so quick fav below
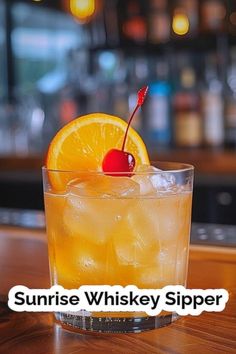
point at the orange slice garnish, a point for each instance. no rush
(82, 144)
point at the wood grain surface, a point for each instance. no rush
(23, 260)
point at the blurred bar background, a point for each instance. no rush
(60, 59)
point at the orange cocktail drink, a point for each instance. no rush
(113, 218)
(109, 230)
(118, 239)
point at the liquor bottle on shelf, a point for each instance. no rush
(120, 100)
(133, 21)
(187, 116)
(109, 71)
(212, 104)
(137, 77)
(213, 14)
(158, 21)
(68, 108)
(119, 87)
(158, 107)
(192, 9)
(230, 102)
(111, 22)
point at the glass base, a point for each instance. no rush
(113, 324)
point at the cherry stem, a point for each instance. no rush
(141, 98)
(127, 129)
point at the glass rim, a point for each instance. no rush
(183, 167)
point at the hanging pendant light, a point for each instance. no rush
(180, 23)
(82, 10)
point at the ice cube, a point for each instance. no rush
(106, 187)
(135, 240)
(91, 219)
(164, 218)
(156, 276)
(142, 177)
(160, 179)
(81, 263)
(145, 184)
(148, 277)
(174, 218)
(153, 180)
(133, 249)
(161, 271)
(94, 207)
(163, 181)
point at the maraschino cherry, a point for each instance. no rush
(120, 160)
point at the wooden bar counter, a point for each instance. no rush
(205, 160)
(23, 260)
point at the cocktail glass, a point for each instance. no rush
(119, 230)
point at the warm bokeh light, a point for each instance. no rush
(82, 9)
(180, 24)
